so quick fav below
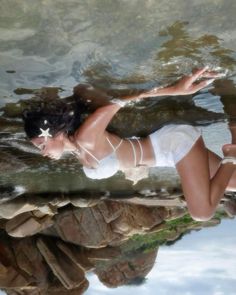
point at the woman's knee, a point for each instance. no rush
(202, 214)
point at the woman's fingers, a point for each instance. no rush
(197, 74)
(188, 84)
(202, 84)
(212, 74)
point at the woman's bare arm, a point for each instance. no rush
(95, 125)
(185, 86)
(93, 128)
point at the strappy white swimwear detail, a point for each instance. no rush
(141, 151)
(134, 152)
(107, 166)
(136, 163)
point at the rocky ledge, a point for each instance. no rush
(49, 244)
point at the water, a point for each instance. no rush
(120, 46)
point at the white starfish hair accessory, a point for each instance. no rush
(45, 133)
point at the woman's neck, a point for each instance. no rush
(69, 145)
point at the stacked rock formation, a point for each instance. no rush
(48, 245)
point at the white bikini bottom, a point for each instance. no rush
(172, 142)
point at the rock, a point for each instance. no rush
(80, 258)
(103, 254)
(27, 224)
(59, 290)
(11, 278)
(81, 203)
(30, 261)
(110, 222)
(137, 219)
(230, 207)
(24, 204)
(110, 210)
(76, 225)
(55, 289)
(69, 273)
(127, 271)
(21, 264)
(38, 266)
(154, 201)
(176, 212)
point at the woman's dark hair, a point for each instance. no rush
(58, 118)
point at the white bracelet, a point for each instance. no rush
(118, 101)
(231, 160)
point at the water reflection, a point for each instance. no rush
(181, 46)
(118, 241)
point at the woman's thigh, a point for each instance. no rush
(194, 173)
(214, 162)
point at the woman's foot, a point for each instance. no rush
(229, 150)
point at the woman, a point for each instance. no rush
(203, 175)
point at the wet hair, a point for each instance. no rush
(58, 118)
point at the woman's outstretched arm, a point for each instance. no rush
(95, 125)
(185, 86)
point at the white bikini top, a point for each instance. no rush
(109, 165)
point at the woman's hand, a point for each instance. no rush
(188, 85)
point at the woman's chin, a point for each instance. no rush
(53, 157)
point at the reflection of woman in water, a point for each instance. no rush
(204, 175)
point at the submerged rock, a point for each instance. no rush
(10, 163)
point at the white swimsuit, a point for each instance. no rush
(107, 166)
(170, 144)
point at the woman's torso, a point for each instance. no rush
(130, 152)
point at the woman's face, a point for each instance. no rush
(52, 147)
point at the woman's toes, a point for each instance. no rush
(229, 150)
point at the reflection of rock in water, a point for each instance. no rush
(78, 236)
